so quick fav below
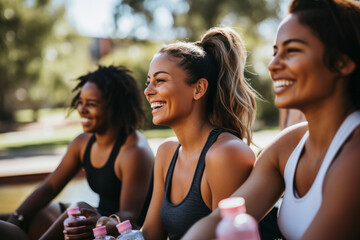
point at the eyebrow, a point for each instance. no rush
(157, 73)
(91, 100)
(292, 40)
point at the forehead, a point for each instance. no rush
(291, 28)
(92, 89)
(164, 62)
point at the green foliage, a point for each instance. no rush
(39, 54)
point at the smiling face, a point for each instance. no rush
(300, 75)
(92, 109)
(169, 95)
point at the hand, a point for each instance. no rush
(83, 229)
(110, 224)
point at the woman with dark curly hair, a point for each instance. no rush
(115, 156)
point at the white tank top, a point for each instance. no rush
(296, 213)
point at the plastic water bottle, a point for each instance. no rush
(127, 233)
(100, 234)
(236, 223)
(71, 218)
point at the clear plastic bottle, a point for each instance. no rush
(236, 223)
(71, 218)
(127, 233)
(100, 234)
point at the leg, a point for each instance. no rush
(11, 232)
(44, 219)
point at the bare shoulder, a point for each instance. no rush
(280, 149)
(230, 147)
(137, 148)
(78, 145)
(167, 149)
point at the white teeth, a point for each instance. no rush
(85, 120)
(157, 105)
(283, 83)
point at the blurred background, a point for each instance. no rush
(46, 44)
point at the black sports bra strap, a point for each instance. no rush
(209, 142)
(88, 149)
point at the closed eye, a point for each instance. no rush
(290, 50)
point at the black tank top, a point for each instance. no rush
(103, 180)
(178, 218)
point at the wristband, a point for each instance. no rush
(19, 217)
(116, 217)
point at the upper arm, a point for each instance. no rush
(69, 165)
(152, 228)
(265, 184)
(136, 167)
(338, 216)
(227, 168)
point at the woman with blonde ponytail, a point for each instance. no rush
(199, 90)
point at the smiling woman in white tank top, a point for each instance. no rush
(315, 165)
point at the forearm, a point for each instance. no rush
(204, 229)
(35, 202)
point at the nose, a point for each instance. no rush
(81, 108)
(275, 64)
(149, 90)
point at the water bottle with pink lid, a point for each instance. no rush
(71, 218)
(236, 223)
(100, 234)
(127, 233)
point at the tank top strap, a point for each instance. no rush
(86, 160)
(115, 150)
(171, 167)
(201, 164)
(346, 128)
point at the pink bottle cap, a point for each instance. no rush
(99, 231)
(73, 210)
(232, 206)
(123, 226)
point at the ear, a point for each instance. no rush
(346, 65)
(200, 88)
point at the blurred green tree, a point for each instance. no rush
(39, 54)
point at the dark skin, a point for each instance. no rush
(133, 166)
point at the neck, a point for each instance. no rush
(106, 138)
(192, 136)
(324, 121)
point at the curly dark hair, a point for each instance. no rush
(337, 25)
(121, 93)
